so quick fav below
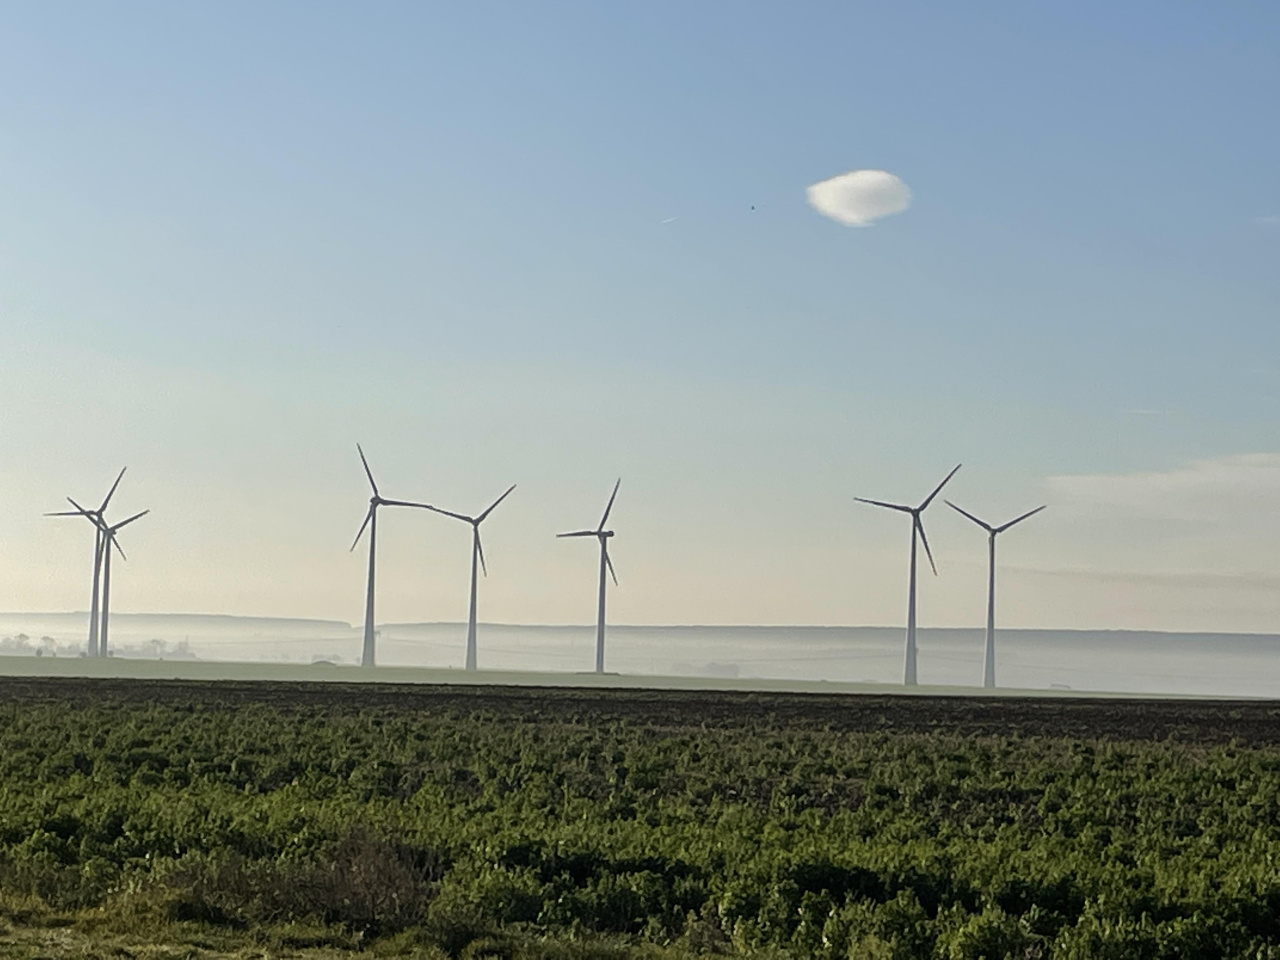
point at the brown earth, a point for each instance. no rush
(1253, 722)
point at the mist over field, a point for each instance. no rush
(1119, 661)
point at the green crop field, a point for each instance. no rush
(202, 819)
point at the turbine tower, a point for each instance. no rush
(917, 528)
(371, 521)
(603, 536)
(477, 553)
(989, 660)
(96, 518)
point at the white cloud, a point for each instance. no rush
(1187, 548)
(1243, 489)
(1272, 221)
(859, 197)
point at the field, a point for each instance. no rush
(180, 818)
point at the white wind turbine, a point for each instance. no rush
(917, 529)
(96, 518)
(371, 521)
(989, 659)
(107, 537)
(108, 541)
(477, 553)
(603, 536)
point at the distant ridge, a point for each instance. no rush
(761, 630)
(193, 618)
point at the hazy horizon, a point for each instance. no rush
(1104, 661)
(585, 624)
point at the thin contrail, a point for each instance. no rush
(668, 220)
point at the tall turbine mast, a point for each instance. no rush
(917, 529)
(603, 536)
(96, 518)
(477, 553)
(371, 521)
(989, 657)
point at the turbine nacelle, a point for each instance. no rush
(917, 525)
(474, 521)
(96, 516)
(376, 501)
(105, 530)
(110, 531)
(599, 531)
(988, 527)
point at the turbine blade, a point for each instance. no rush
(367, 517)
(609, 506)
(480, 550)
(925, 540)
(68, 513)
(110, 493)
(427, 506)
(113, 542)
(495, 503)
(1029, 513)
(578, 533)
(95, 519)
(368, 473)
(929, 498)
(984, 525)
(609, 563)
(881, 503)
(125, 523)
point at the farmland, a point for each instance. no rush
(314, 819)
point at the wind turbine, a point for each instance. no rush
(371, 521)
(108, 541)
(477, 552)
(917, 528)
(95, 517)
(989, 660)
(603, 536)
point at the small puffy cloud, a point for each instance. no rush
(859, 197)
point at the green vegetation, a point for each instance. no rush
(324, 823)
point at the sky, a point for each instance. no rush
(558, 244)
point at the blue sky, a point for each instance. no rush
(236, 239)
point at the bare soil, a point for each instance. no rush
(1251, 722)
